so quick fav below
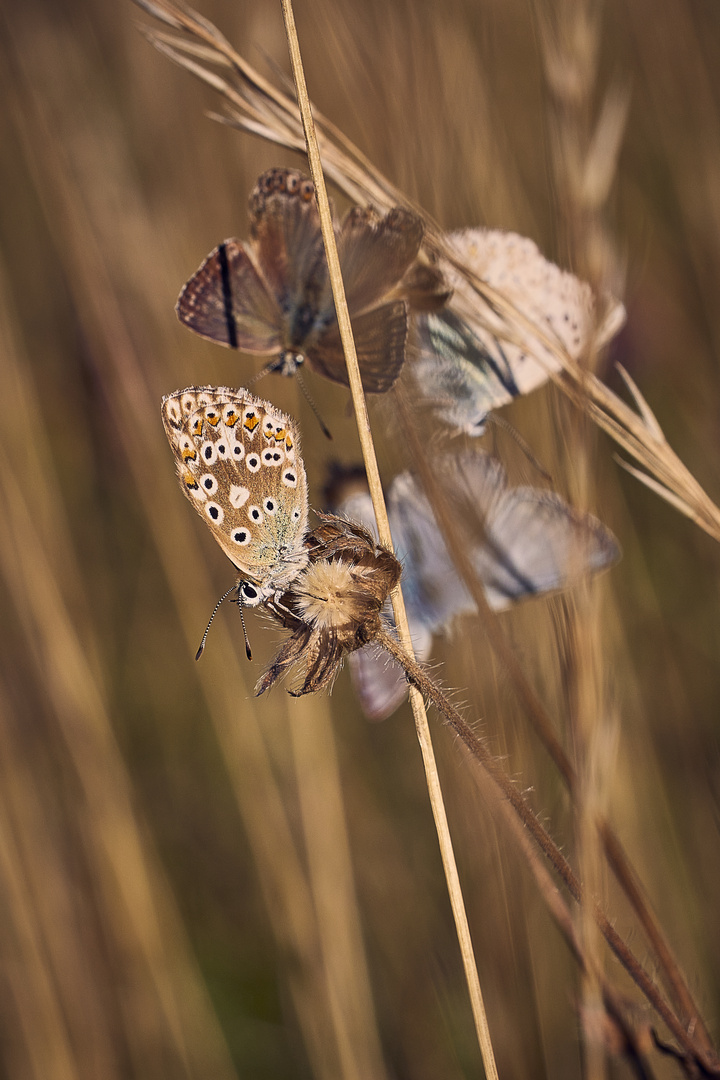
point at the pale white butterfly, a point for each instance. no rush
(464, 368)
(523, 541)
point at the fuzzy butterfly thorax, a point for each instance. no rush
(334, 607)
(271, 295)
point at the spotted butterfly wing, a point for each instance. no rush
(238, 462)
(466, 366)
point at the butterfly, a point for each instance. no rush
(238, 462)
(464, 369)
(522, 541)
(271, 295)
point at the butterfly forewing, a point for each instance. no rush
(285, 230)
(375, 253)
(227, 301)
(238, 462)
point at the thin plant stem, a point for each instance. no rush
(419, 678)
(543, 727)
(373, 473)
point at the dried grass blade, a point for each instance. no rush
(644, 409)
(366, 440)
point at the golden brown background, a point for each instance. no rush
(176, 893)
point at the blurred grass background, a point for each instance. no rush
(194, 883)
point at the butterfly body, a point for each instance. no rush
(237, 460)
(271, 295)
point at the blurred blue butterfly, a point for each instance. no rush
(523, 542)
(464, 365)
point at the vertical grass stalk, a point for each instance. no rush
(373, 474)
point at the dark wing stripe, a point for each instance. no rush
(227, 297)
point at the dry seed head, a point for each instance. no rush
(334, 606)
(331, 595)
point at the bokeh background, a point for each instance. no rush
(195, 883)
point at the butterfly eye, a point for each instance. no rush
(208, 452)
(249, 594)
(269, 506)
(241, 537)
(255, 513)
(290, 478)
(295, 515)
(253, 462)
(209, 483)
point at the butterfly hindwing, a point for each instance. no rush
(380, 336)
(238, 462)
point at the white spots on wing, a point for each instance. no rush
(236, 450)
(215, 512)
(173, 412)
(273, 456)
(239, 496)
(208, 452)
(187, 449)
(192, 486)
(236, 462)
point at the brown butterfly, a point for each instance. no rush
(271, 295)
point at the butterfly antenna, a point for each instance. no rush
(199, 653)
(248, 651)
(265, 371)
(504, 425)
(313, 406)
